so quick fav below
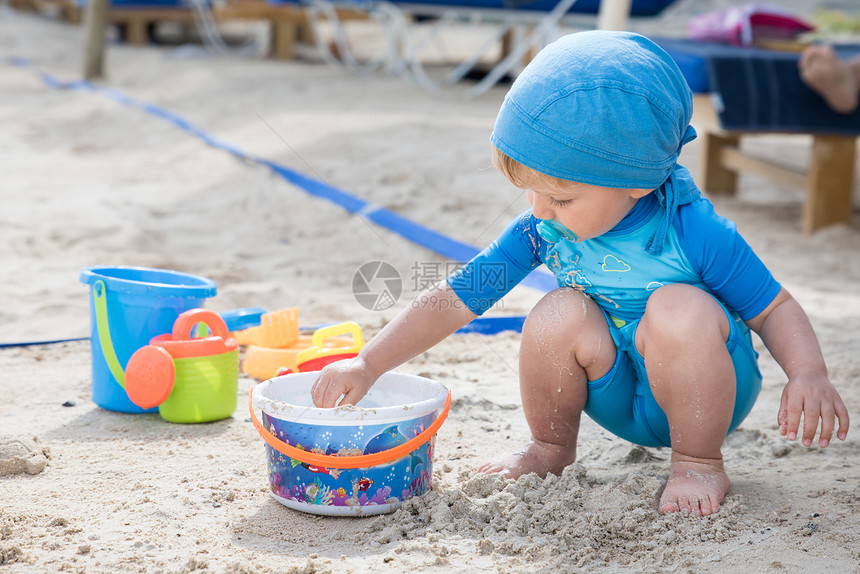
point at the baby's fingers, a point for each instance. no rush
(811, 414)
(318, 390)
(828, 423)
(829, 414)
(790, 411)
(352, 396)
(844, 419)
(322, 392)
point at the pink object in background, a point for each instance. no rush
(742, 25)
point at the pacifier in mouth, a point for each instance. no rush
(553, 231)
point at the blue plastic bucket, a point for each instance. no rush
(128, 307)
(399, 407)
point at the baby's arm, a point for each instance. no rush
(788, 335)
(433, 315)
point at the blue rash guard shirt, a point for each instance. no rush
(615, 270)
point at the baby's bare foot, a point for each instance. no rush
(696, 485)
(536, 456)
(830, 77)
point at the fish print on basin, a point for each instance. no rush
(388, 439)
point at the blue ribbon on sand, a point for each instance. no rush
(417, 233)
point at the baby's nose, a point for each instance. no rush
(541, 208)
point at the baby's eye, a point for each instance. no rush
(560, 202)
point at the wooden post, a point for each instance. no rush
(517, 34)
(135, 30)
(613, 14)
(830, 188)
(716, 178)
(284, 34)
(95, 20)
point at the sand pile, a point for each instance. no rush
(21, 454)
(569, 520)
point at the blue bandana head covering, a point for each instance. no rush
(605, 108)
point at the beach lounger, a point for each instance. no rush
(749, 91)
(521, 27)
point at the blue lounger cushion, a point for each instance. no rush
(757, 89)
(637, 7)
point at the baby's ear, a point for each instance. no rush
(639, 193)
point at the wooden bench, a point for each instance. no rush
(38, 6)
(829, 180)
(289, 22)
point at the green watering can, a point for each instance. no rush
(190, 380)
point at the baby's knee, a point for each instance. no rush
(559, 312)
(568, 324)
(679, 312)
(566, 321)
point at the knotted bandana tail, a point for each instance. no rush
(678, 189)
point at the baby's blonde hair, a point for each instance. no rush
(518, 174)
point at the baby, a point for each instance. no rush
(649, 330)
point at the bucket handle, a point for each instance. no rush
(344, 462)
(318, 349)
(103, 329)
(182, 328)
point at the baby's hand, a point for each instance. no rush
(350, 379)
(814, 398)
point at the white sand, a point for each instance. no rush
(87, 181)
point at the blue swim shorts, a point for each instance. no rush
(621, 401)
